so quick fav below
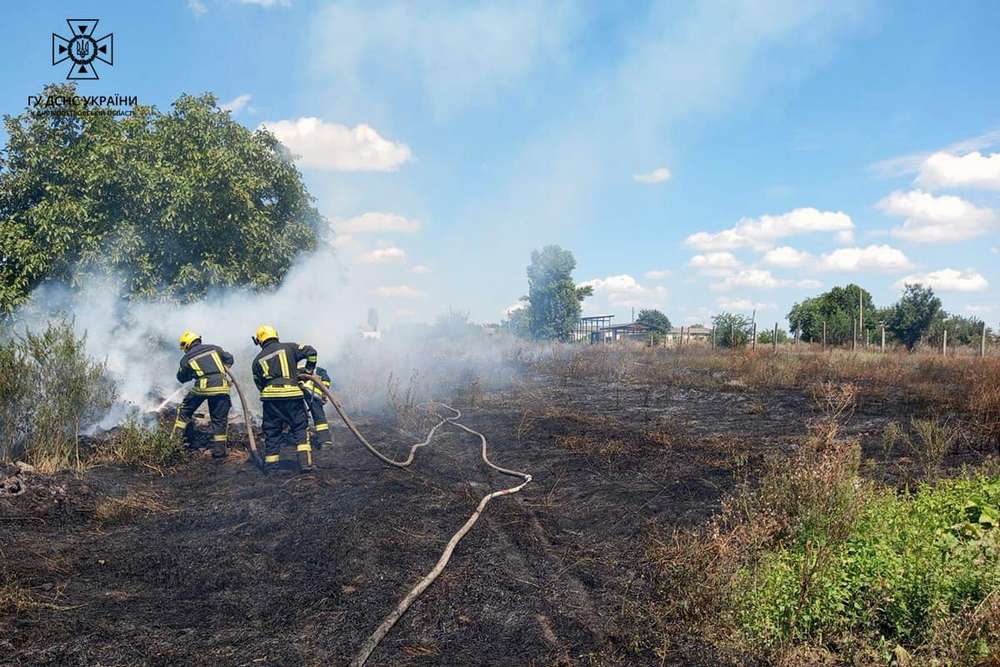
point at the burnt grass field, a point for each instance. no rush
(211, 563)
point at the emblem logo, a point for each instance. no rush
(82, 49)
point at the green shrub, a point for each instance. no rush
(50, 391)
(909, 564)
(133, 443)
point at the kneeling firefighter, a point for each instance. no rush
(276, 376)
(206, 365)
(315, 400)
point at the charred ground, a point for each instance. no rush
(212, 563)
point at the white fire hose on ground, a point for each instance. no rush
(370, 644)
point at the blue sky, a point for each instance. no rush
(694, 156)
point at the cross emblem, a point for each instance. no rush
(82, 49)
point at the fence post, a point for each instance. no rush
(824, 335)
(982, 342)
(882, 346)
(754, 344)
(774, 340)
(944, 344)
(854, 340)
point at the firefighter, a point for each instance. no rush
(275, 373)
(315, 400)
(206, 365)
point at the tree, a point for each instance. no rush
(838, 310)
(553, 297)
(174, 203)
(766, 337)
(961, 330)
(655, 320)
(913, 315)
(731, 330)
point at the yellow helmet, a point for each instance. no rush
(265, 332)
(188, 338)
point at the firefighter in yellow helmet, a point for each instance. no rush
(276, 375)
(206, 365)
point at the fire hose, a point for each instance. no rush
(370, 644)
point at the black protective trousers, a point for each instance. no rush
(278, 414)
(218, 410)
(315, 404)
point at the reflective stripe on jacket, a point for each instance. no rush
(206, 365)
(274, 368)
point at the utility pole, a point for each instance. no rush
(861, 314)
(754, 336)
(774, 340)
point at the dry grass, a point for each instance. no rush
(111, 511)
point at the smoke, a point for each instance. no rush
(315, 304)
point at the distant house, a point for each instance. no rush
(629, 331)
(692, 334)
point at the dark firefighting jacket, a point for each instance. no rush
(310, 387)
(274, 368)
(205, 364)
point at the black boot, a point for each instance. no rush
(303, 455)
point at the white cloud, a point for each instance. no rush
(421, 269)
(322, 145)
(624, 290)
(761, 233)
(658, 274)
(973, 170)
(376, 221)
(761, 279)
(743, 305)
(658, 175)
(197, 7)
(873, 257)
(715, 263)
(399, 292)
(911, 164)
(980, 309)
(236, 104)
(787, 257)
(845, 236)
(383, 255)
(948, 280)
(936, 219)
(267, 3)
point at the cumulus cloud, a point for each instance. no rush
(936, 219)
(383, 255)
(761, 233)
(948, 280)
(658, 274)
(197, 7)
(375, 221)
(625, 291)
(972, 170)
(743, 305)
(236, 104)
(658, 175)
(321, 145)
(761, 279)
(715, 263)
(787, 257)
(873, 257)
(399, 292)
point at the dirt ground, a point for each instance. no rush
(214, 564)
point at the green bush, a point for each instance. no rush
(132, 443)
(50, 391)
(909, 564)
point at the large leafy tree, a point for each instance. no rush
(553, 297)
(961, 330)
(654, 319)
(174, 203)
(913, 314)
(838, 310)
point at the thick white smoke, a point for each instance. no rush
(315, 304)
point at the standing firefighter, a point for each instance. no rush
(315, 400)
(276, 376)
(206, 365)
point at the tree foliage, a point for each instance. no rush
(913, 315)
(961, 330)
(654, 319)
(766, 337)
(732, 330)
(553, 298)
(838, 309)
(174, 203)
